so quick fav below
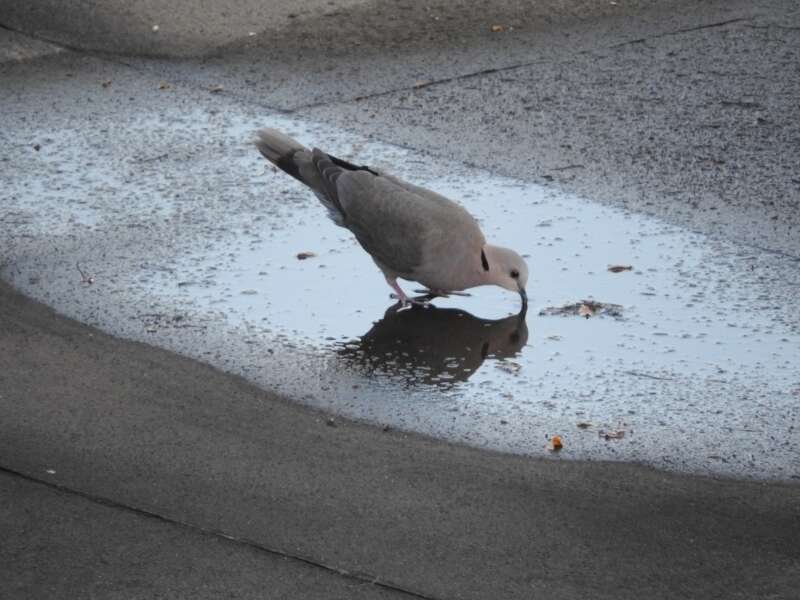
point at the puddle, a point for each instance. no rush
(698, 365)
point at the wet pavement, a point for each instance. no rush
(131, 199)
(191, 242)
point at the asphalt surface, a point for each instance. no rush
(115, 424)
(175, 467)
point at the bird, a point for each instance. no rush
(410, 232)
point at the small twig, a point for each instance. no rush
(85, 277)
(152, 158)
(648, 376)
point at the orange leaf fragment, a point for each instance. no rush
(555, 444)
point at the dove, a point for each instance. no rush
(410, 232)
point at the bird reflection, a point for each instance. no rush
(435, 346)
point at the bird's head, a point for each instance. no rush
(506, 268)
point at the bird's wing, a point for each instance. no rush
(393, 224)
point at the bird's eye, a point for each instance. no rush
(514, 273)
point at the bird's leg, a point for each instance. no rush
(405, 301)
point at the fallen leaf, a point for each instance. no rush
(421, 84)
(586, 308)
(612, 435)
(555, 444)
(216, 89)
(497, 28)
(620, 268)
(163, 85)
(304, 255)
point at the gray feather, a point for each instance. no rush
(293, 158)
(384, 219)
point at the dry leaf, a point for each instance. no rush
(620, 268)
(555, 444)
(497, 28)
(612, 435)
(304, 255)
(163, 85)
(215, 89)
(421, 84)
(586, 308)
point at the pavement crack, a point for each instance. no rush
(418, 85)
(41, 38)
(492, 70)
(358, 576)
(679, 31)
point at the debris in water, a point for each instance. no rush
(216, 89)
(583, 425)
(612, 435)
(331, 422)
(620, 268)
(509, 367)
(586, 308)
(305, 255)
(497, 29)
(555, 444)
(85, 277)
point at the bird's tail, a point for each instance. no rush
(281, 150)
(292, 157)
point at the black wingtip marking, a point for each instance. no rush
(286, 164)
(349, 166)
(484, 262)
